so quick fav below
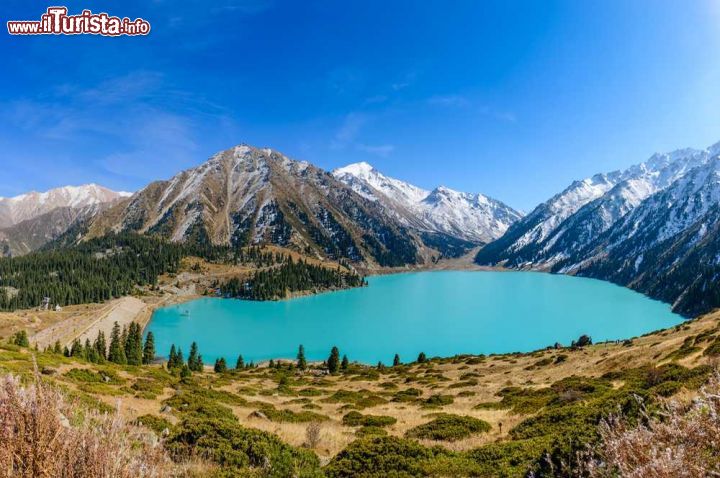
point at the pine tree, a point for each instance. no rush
(185, 371)
(345, 363)
(101, 346)
(149, 349)
(240, 364)
(21, 339)
(220, 365)
(133, 345)
(57, 349)
(124, 339)
(301, 361)
(396, 360)
(422, 358)
(380, 366)
(333, 362)
(117, 348)
(271, 364)
(193, 357)
(77, 349)
(66, 351)
(200, 364)
(179, 359)
(172, 358)
(91, 354)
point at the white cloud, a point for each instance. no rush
(380, 150)
(348, 133)
(448, 100)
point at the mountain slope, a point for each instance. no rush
(32, 234)
(471, 217)
(31, 205)
(245, 196)
(572, 219)
(655, 229)
(667, 247)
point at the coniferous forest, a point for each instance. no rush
(275, 283)
(114, 265)
(94, 271)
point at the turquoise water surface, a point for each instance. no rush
(439, 313)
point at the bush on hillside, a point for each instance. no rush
(357, 419)
(447, 427)
(44, 434)
(684, 443)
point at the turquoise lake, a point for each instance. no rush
(439, 313)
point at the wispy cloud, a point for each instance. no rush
(462, 101)
(448, 101)
(133, 117)
(348, 133)
(505, 116)
(408, 80)
(380, 150)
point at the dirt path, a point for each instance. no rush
(124, 311)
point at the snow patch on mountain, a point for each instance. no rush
(33, 204)
(472, 217)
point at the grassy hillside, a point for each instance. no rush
(502, 415)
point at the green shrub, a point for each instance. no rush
(407, 395)
(447, 427)
(90, 376)
(154, 423)
(364, 432)
(357, 419)
(437, 401)
(380, 457)
(227, 443)
(713, 350)
(288, 416)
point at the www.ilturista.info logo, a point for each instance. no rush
(56, 21)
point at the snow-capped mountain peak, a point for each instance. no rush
(30, 205)
(473, 217)
(392, 188)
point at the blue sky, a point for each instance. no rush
(513, 99)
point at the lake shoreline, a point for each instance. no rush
(622, 314)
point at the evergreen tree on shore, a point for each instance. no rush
(149, 349)
(333, 362)
(220, 365)
(422, 358)
(133, 345)
(240, 364)
(396, 360)
(193, 358)
(117, 347)
(101, 346)
(175, 359)
(301, 361)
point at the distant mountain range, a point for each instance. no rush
(20, 208)
(472, 217)
(31, 220)
(653, 227)
(245, 196)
